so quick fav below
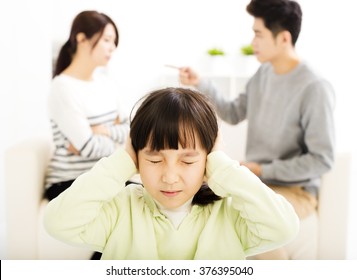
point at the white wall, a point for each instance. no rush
(157, 32)
(24, 77)
(328, 42)
(153, 33)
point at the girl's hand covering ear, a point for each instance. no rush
(130, 150)
(218, 144)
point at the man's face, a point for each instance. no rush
(266, 47)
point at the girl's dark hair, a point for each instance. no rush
(278, 15)
(90, 23)
(169, 116)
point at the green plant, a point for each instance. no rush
(247, 50)
(215, 51)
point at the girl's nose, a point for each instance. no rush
(170, 176)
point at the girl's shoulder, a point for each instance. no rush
(131, 192)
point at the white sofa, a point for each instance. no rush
(25, 165)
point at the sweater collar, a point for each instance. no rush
(154, 208)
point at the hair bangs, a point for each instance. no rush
(171, 117)
(172, 126)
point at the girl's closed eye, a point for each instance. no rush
(188, 162)
(154, 160)
(190, 158)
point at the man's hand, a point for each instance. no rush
(188, 76)
(254, 167)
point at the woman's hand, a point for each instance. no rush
(72, 149)
(117, 120)
(100, 129)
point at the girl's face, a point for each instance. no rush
(172, 177)
(102, 52)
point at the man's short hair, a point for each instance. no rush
(278, 15)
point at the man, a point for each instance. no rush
(289, 110)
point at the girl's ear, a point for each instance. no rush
(80, 37)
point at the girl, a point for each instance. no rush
(174, 214)
(85, 119)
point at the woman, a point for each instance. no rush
(85, 119)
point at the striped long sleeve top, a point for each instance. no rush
(74, 106)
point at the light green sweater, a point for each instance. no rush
(100, 213)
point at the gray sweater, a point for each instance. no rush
(290, 124)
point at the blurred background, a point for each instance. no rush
(154, 33)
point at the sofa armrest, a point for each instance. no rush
(334, 209)
(25, 165)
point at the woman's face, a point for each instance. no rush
(102, 52)
(172, 177)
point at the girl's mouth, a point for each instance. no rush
(170, 193)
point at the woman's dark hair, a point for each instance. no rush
(278, 15)
(90, 23)
(172, 116)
